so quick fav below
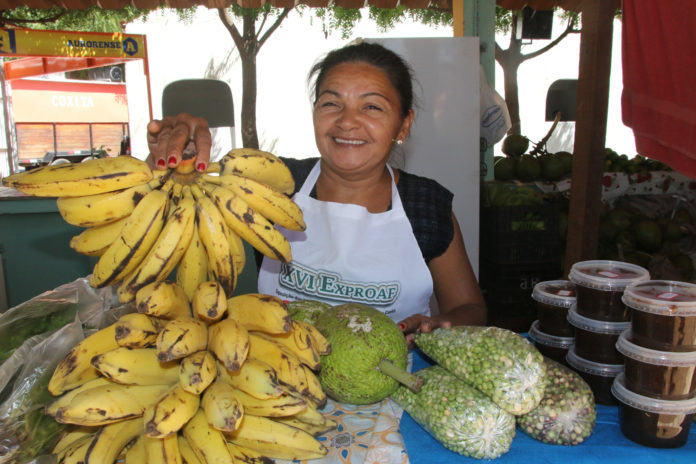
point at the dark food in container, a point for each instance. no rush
(553, 298)
(600, 285)
(596, 340)
(598, 376)
(550, 346)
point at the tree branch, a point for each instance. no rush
(263, 22)
(570, 28)
(231, 28)
(18, 22)
(274, 26)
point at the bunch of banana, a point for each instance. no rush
(216, 380)
(143, 225)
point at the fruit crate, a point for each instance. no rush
(520, 235)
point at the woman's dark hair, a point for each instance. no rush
(397, 70)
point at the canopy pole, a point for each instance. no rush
(458, 18)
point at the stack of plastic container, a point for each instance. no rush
(551, 332)
(657, 392)
(599, 317)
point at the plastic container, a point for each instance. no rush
(596, 340)
(598, 376)
(553, 298)
(600, 285)
(664, 375)
(653, 422)
(663, 314)
(550, 346)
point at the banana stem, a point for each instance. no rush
(411, 381)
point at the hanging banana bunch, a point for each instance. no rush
(143, 224)
(193, 382)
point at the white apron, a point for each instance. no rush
(348, 254)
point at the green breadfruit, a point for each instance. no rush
(307, 310)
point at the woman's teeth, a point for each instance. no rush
(350, 142)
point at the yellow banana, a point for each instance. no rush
(75, 452)
(246, 455)
(299, 342)
(136, 453)
(136, 238)
(165, 253)
(70, 436)
(181, 337)
(163, 299)
(102, 208)
(313, 391)
(214, 235)
(197, 371)
(318, 340)
(64, 400)
(95, 240)
(255, 378)
(110, 440)
(208, 443)
(75, 369)
(177, 193)
(258, 165)
(286, 404)
(263, 313)
(209, 302)
(78, 179)
(163, 450)
(169, 414)
(275, 206)
(192, 269)
(310, 415)
(249, 224)
(287, 366)
(312, 429)
(276, 439)
(222, 408)
(137, 330)
(136, 366)
(107, 404)
(237, 250)
(188, 456)
(229, 342)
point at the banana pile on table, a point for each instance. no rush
(219, 380)
(142, 224)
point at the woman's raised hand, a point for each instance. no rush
(169, 137)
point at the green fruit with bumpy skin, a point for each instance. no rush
(515, 145)
(360, 337)
(307, 310)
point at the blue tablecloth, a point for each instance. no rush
(606, 444)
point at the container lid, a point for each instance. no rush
(591, 367)
(594, 325)
(647, 404)
(559, 293)
(550, 340)
(659, 358)
(664, 297)
(607, 275)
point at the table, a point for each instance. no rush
(606, 444)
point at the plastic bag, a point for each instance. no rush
(566, 414)
(460, 417)
(498, 362)
(495, 117)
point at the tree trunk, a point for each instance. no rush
(250, 138)
(510, 60)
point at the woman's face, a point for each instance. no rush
(357, 116)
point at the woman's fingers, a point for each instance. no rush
(167, 139)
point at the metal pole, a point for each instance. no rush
(8, 123)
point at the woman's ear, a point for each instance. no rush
(406, 124)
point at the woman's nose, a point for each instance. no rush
(348, 119)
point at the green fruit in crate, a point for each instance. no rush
(682, 216)
(648, 235)
(671, 230)
(684, 265)
(567, 159)
(504, 169)
(552, 167)
(528, 168)
(620, 218)
(515, 145)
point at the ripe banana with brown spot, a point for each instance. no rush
(137, 330)
(314, 391)
(229, 342)
(164, 299)
(72, 433)
(246, 455)
(134, 241)
(299, 342)
(163, 450)
(168, 415)
(286, 365)
(259, 312)
(209, 302)
(75, 452)
(312, 429)
(193, 266)
(318, 340)
(250, 224)
(256, 164)
(197, 371)
(110, 440)
(136, 366)
(223, 410)
(188, 456)
(78, 179)
(277, 440)
(214, 235)
(255, 378)
(286, 404)
(181, 337)
(64, 400)
(94, 241)
(136, 453)
(208, 443)
(102, 208)
(238, 252)
(275, 206)
(75, 369)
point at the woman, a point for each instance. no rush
(374, 234)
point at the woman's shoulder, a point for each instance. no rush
(299, 168)
(418, 186)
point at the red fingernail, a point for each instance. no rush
(201, 167)
(171, 160)
(160, 163)
(402, 326)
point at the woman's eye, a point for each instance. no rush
(374, 107)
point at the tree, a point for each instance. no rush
(512, 57)
(93, 19)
